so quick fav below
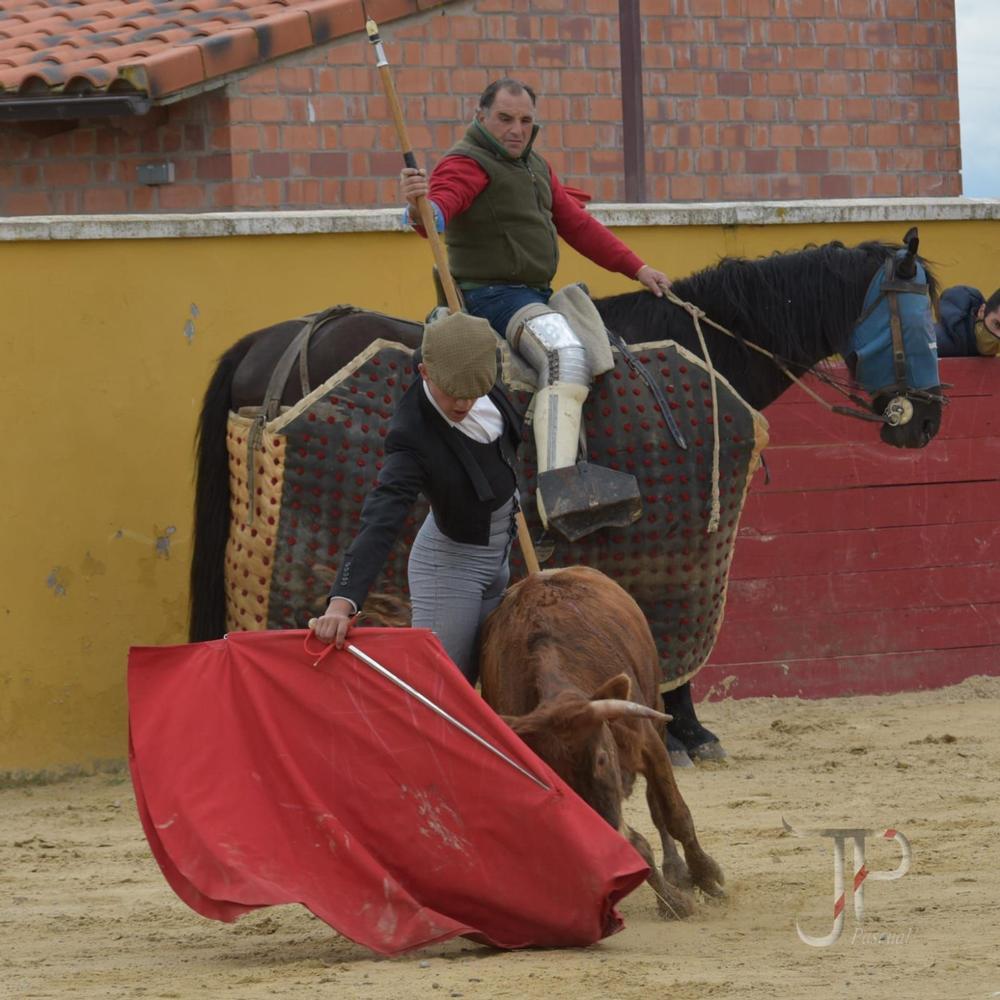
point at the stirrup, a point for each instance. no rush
(582, 498)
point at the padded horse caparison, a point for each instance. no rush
(298, 348)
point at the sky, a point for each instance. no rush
(978, 29)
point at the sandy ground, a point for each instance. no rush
(84, 911)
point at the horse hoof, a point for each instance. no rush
(710, 751)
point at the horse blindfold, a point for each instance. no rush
(909, 360)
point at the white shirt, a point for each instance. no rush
(483, 423)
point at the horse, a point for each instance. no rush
(761, 323)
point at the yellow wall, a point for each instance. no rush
(102, 388)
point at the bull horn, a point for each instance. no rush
(609, 709)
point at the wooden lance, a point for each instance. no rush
(429, 223)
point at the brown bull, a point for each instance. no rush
(561, 657)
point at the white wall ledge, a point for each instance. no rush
(757, 213)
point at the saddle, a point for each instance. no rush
(580, 497)
(575, 303)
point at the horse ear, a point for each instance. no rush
(906, 267)
(618, 688)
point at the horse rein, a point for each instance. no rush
(894, 412)
(697, 315)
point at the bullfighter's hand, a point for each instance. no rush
(335, 623)
(656, 281)
(413, 184)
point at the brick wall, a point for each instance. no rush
(744, 100)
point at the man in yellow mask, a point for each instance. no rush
(968, 324)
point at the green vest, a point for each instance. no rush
(506, 236)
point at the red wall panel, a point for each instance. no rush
(861, 569)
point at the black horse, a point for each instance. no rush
(803, 307)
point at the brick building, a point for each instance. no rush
(268, 105)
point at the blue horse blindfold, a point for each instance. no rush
(880, 366)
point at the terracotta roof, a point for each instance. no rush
(51, 48)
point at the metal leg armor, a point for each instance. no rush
(574, 497)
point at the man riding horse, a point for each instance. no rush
(501, 208)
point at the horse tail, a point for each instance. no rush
(211, 500)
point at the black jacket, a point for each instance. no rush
(424, 455)
(956, 331)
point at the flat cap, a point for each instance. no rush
(460, 352)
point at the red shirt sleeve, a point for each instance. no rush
(455, 183)
(588, 236)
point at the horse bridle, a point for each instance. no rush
(899, 276)
(899, 279)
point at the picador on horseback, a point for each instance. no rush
(318, 434)
(502, 208)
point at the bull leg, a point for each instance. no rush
(673, 818)
(671, 902)
(674, 869)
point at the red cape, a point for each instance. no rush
(262, 778)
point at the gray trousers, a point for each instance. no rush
(454, 586)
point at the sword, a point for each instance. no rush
(437, 709)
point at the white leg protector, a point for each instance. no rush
(550, 345)
(546, 340)
(558, 410)
(579, 497)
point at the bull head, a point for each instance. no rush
(570, 732)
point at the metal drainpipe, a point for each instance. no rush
(633, 123)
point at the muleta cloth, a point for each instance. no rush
(460, 352)
(262, 777)
(317, 460)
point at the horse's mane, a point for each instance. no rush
(800, 304)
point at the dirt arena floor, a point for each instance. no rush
(84, 911)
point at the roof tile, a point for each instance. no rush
(173, 35)
(331, 20)
(41, 27)
(163, 46)
(282, 33)
(169, 70)
(228, 51)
